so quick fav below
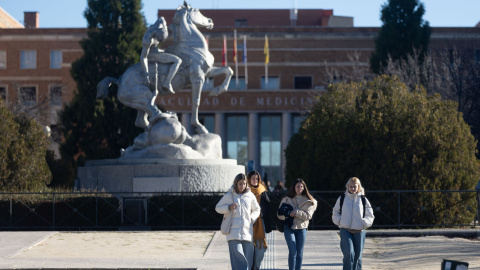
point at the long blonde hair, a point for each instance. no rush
(356, 181)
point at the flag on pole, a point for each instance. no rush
(235, 57)
(224, 51)
(266, 51)
(235, 46)
(245, 59)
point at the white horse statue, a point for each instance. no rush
(197, 63)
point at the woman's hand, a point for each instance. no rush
(292, 214)
(233, 206)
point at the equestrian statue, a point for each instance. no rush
(186, 62)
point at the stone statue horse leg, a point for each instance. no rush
(197, 79)
(135, 95)
(223, 87)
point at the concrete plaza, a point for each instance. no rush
(209, 250)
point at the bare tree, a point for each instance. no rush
(356, 71)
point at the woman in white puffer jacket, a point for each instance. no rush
(247, 210)
(353, 217)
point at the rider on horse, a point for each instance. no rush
(155, 34)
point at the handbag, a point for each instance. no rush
(227, 221)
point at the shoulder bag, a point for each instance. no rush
(227, 220)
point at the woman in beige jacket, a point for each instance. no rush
(296, 208)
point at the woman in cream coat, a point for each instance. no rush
(352, 223)
(247, 210)
(296, 208)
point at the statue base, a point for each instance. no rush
(158, 175)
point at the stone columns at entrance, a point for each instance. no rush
(253, 139)
(221, 131)
(286, 135)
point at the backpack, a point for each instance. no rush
(362, 197)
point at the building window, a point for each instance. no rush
(477, 56)
(56, 59)
(271, 147)
(273, 83)
(303, 82)
(241, 22)
(3, 59)
(28, 59)
(55, 95)
(28, 95)
(208, 84)
(3, 92)
(233, 84)
(208, 121)
(237, 138)
(297, 120)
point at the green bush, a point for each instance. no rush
(23, 146)
(390, 138)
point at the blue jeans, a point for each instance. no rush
(258, 257)
(295, 242)
(241, 254)
(351, 245)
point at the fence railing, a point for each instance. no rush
(196, 211)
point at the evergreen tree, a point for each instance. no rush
(23, 146)
(402, 32)
(97, 129)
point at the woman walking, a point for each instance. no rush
(352, 213)
(241, 200)
(263, 225)
(296, 208)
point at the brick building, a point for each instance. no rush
(308, 50)
(35, 68)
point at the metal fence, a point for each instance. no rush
(196, 211)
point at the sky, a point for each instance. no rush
(69, 13)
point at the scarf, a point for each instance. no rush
(259, 239)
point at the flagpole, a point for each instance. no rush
(207, 40)
(224, 52)
(235, 57)
(266, 73)
(245, 60)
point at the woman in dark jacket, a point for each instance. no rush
(263, 225)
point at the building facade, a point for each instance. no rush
(263, 108)
(35, 70)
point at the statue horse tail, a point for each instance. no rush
(103, 85)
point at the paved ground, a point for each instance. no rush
(208, 250)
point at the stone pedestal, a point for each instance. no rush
(158, 175)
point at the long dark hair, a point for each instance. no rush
(239, 177)
(249, 176)
(291, 191)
